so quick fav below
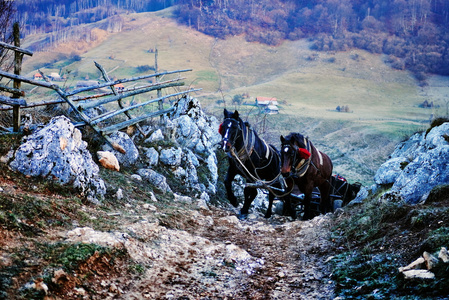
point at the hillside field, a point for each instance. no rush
(383, 102)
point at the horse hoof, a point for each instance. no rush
(234, 202)
(242, 216)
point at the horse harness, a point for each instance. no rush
(304, 163)
(244, 154)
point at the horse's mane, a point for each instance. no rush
(294, 136)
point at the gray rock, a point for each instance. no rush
(152, 157)
(389, 171)
(58, 152)
(171, 156)
(361, 195)
(425, 164)
(428, 170)
(156, 179)
(131, 156)
(155, 136)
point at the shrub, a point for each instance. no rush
(145, 68)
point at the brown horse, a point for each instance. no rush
(306, 167)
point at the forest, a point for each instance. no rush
(412, 33)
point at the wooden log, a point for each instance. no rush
(17, 69)
(109, 115)
(17, 49)
(114, 90)
(12, 101)
(136, 120)
(11, 90)
(89, 88)
(29, 80)
(83, 98)
(96, 103)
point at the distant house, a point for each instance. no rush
(267, 105)
(55, 76)
(38, 76)
(271, 109)
(119, 87)
(265, 101)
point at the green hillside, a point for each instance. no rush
(382, 102)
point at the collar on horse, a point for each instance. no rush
(248, 143)
(244, 154)
(303, 165)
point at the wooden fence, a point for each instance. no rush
(80, 103)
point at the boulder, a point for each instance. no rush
(125, 150)
(57, 152)
(151, 156)
(156, 179)
(427, 171)
(417, 165)
(192, 136)
(193, 128)
(171, 156)
(108, 160)
(390, 171)
(155, 137)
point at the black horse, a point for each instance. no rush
(307, 168)
(251, 157)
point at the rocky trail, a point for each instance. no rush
(182, 251)
(213, 255)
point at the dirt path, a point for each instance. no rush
(213, 255)
(173, 251)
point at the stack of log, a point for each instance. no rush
(421, 267)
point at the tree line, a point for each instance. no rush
(413, 33)
(39, 16)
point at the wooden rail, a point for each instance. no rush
(16, 101)
(86, 102)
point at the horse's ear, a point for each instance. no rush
(225, 112)
(282, 139)
(236, 115)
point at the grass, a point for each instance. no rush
(377, 238)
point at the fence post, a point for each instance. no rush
(17, 68)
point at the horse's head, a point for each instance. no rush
(293, 150)
(230, 129)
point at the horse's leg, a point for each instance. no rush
(250, 194)
(307, 190)
(228, 185)
(270, 205)
(325, 203)
(307, 209)
(290, 209)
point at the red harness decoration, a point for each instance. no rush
(220, 128)
(304, 153)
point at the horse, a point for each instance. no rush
(307, 168)
(251, 157)
(341, 187)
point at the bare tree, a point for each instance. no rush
(6, 18)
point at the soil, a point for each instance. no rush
(172, 252)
